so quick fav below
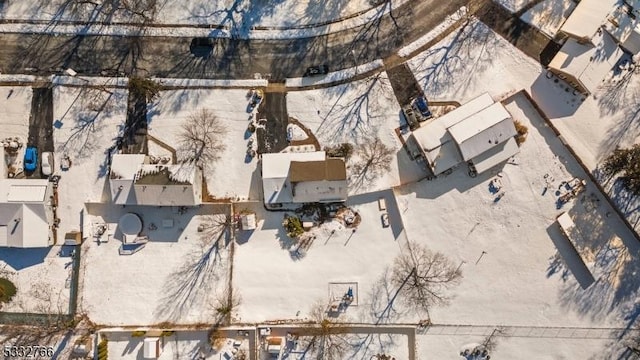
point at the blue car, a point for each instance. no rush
(31, 159)
(422, 106)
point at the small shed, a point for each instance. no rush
(248, 221)
(152, 347)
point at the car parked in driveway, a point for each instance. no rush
(317, 70)
(47, 163)
(30, 158)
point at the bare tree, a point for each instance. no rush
(422, 276)
(328, 341)
(201, 138)
(373, 158)
(225, 303)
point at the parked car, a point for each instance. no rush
(30, 158)
(47, 163)
(317, 70)
(420, 104)
(202, 46)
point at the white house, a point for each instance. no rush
(26, 213)
(586, 19)
(584, 65)
(134, 181)
(302, 178)
(480, 133)
(597, 31)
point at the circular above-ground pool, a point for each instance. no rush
(130, 224)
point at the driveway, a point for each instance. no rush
(41, 125)
(273, 136)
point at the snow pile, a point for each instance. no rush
(549, 15)
(90, 81)
(334, 77)
(435, 32)
(17, 78)
(233, 174)
(195, 83)
(514, 5)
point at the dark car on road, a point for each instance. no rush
(202, 46)
(30, 159)
(317, 70)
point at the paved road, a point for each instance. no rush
(41, 125)
(170, 57)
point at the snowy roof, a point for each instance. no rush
(625, 29)
(248, 221)
(443, 157)
(23, 190)
(497, 154)
(482, 131)
(151, 347)
(180, 174)
(275, 174)
(125, 166)
(565, 221)
(277, 165)
(329, 169)
(586, 62)
(434, 133)
(587, 17)
(23, 205)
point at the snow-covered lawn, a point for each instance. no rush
(516, 266)
(470, 61)
(40, 276)
(432, 347)
(14, 111)
(233, 175)
(549, 15)
(174, 278)
(264, 262)
(357, 113)
(245, 13)
(179, 345)
(86, 124)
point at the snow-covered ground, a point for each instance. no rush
(549, 15)
(432, 347)
(233, 175)
(41, 277)
(357, 113)
(450, 20)
(280, 19)
(334, 76)
(15, 110)
(86, 124)
(225, 12)
(179, 345)
(174, 278)
(472, 60)
(264, 261)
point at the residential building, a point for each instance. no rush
(480, 133)
(134, 181)
(26, 213)
(306, 177)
